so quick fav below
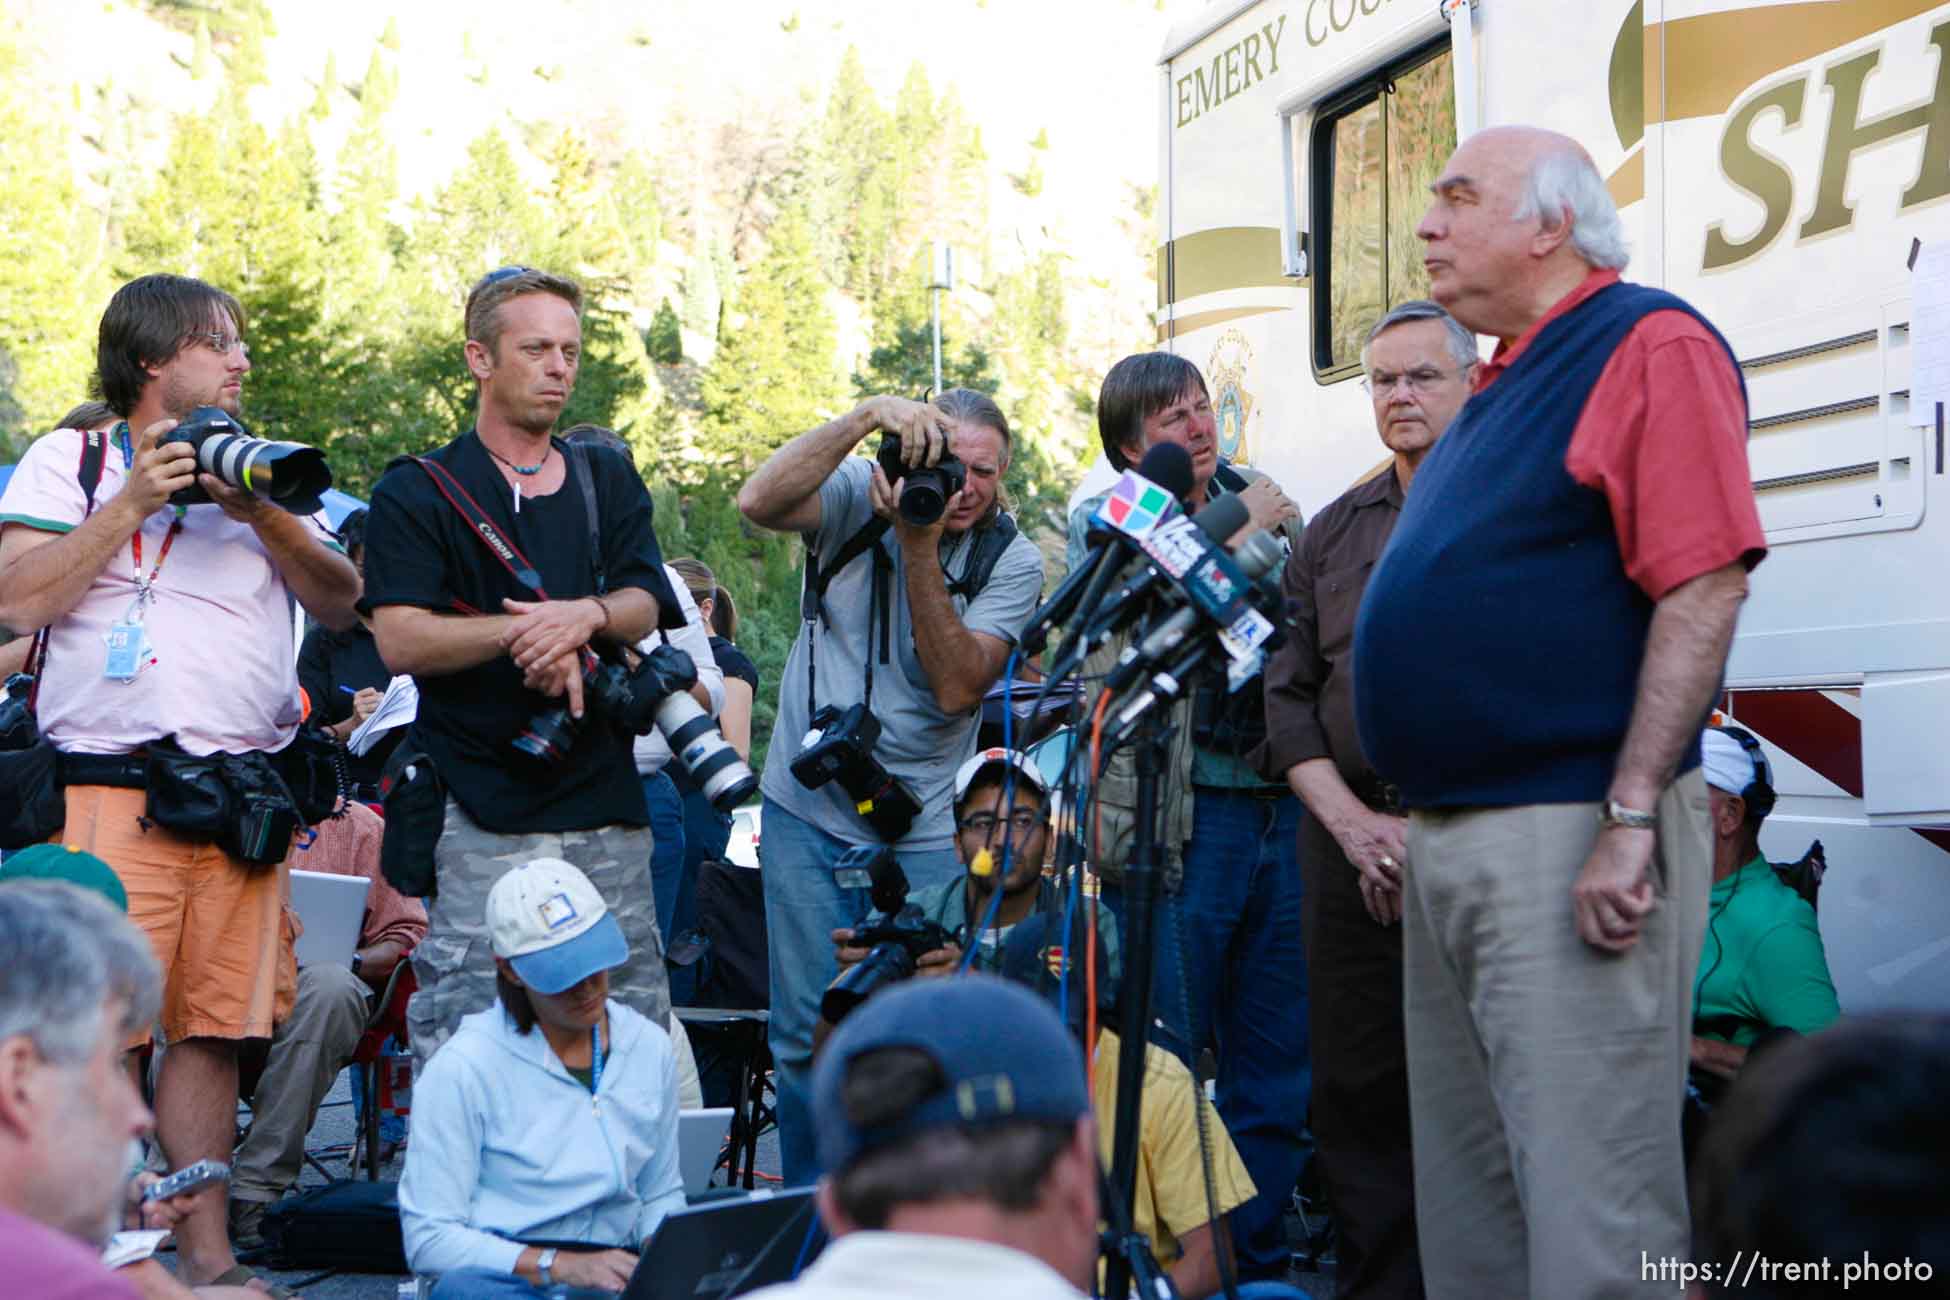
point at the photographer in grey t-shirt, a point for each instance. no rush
(914, 621)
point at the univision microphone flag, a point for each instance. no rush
(1136, 506)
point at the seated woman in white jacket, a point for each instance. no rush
(544, 1144)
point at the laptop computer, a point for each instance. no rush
(700, 1140)
(332, 908)
(724, 1248)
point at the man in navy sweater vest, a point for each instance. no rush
(1534, 657)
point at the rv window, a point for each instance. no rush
(1375, 150)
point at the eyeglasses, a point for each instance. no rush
(221, 343)
(1021, 822)
(1422, 379)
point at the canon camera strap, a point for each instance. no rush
(502, 547)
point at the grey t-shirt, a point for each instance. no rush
(919, 743)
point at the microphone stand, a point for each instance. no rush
(1125, 1248)
(1141, 879)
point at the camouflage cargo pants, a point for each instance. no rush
(454, 964)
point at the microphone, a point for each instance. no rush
(1218, 521)
(1138, 497)
(1255, 558)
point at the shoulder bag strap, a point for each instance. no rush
(579, 463)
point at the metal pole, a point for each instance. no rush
(934, 300)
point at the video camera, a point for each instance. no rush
(839, 747)
(925, 494)
(654, 693)
(895, 946)
(289, 475)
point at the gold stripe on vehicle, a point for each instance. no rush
(1229, 257)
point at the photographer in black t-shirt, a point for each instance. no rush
(489, 653)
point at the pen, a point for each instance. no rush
(347, 689)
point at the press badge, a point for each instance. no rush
(126, 651)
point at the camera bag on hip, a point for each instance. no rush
(415, 800)
(240, 802)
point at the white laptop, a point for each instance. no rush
(332, 908)
(700, 1137)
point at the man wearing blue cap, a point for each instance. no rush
(954, 1123)
(545, 1130)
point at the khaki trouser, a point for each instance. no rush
(1545, 1075)
(310, 1047)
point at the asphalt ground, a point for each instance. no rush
(331, 1138)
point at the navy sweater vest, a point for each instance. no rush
(1497, 650)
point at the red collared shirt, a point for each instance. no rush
(1664, 437)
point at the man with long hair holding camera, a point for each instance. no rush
(169, 620)
(534, 763)
(917, 585)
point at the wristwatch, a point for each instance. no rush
(544, 1262)
(358, 960)
(1615, 813)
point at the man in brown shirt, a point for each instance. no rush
(1418, 361)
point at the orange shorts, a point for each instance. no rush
(217, 925)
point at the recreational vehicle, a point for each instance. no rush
(1783, 166)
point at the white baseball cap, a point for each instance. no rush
(553, 926)
(1726, 764)
(1015, 758)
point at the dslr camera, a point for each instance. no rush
(895, 945)
(839, 747)
(924, 496)
(289, 475)
(654, 693)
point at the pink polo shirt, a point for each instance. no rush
(225, 675)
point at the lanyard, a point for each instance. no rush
(595, 1058)
(125, 444)
(143, 585)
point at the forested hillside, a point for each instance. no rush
(749, 273)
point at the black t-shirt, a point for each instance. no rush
(734, 663)
(421, 551)
(330, 660)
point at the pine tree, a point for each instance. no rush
(51, 284)
(200, 52)
(665, 341)
(774, 374)
(238, 207)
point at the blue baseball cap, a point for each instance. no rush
(553, 926)
(1003, 1053)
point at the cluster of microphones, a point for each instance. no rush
(1196, 605)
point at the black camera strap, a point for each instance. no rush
(812, 603)
(502, 547)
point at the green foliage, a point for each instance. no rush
(773, 376)
(50, 269)
(390, 37)
(665, 341)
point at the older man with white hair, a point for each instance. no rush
(1534, 656)
(76, 981)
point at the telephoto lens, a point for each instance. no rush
(708, 758)
(289, 475)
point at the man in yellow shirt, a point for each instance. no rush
(1171, 1207)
